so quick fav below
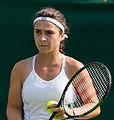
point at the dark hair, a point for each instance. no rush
(57, 15)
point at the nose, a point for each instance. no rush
(43, 39)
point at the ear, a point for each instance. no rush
(62, 36)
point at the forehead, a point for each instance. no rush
(45, 25)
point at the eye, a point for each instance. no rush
(49, 32)
(37, 31)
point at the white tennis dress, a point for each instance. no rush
(36, 92)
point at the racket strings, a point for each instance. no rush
(89, 86)
(83, 87)
(99, 77)
(97, 84)
(78, 82)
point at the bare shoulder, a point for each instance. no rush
(21, 65)
(21, 68)
(72, 66)
(71, 62)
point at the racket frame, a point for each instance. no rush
(61, 101)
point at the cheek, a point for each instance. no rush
(57, 37)
(56, 42)
(36, 43)
(35, 36)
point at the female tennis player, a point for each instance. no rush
(43, 77)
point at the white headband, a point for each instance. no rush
(50, 20)
(53, 21)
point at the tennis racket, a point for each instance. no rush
(85, 91)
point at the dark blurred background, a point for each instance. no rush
(91, 38)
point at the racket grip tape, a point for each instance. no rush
(53, 115)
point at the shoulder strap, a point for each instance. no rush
(64, 62)
(32, 63)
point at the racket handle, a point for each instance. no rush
(53, 115)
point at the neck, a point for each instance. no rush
(49, 58)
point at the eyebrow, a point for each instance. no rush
(45, 30)
(36, 29)
(40, 29)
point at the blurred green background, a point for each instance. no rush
(91, 38)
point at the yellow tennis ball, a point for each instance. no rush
(50, 103)
(57, 119)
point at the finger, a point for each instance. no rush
(60, 115)
(52, 106)
(57, 109)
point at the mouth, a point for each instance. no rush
(44, 46)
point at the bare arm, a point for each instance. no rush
(84, 108)
(85, 88)
(14, 98)
(72, 67)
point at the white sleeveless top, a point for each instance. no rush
(36, 92)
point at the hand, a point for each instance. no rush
(60, 113)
